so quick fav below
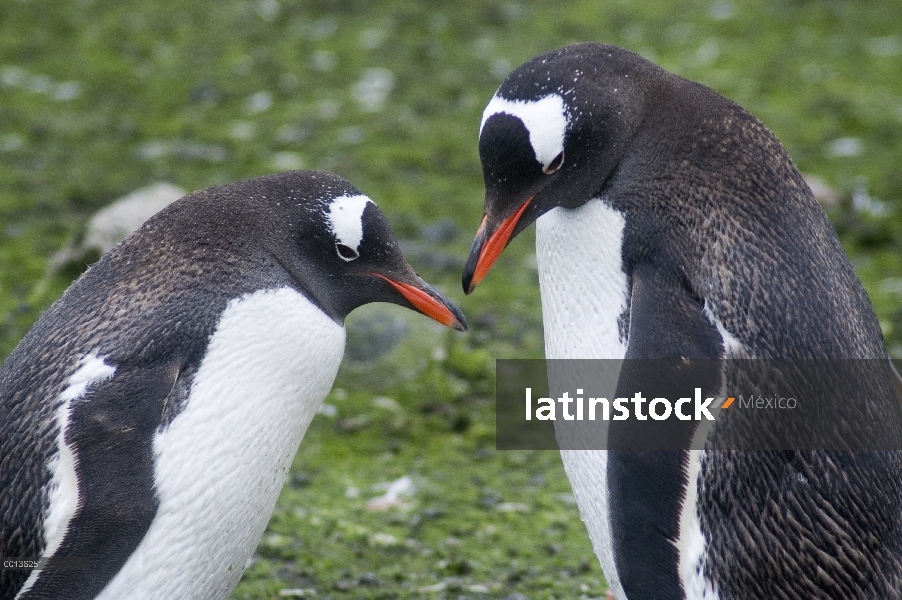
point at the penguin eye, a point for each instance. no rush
(555, 164)
(346, 252)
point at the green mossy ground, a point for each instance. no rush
(98, 98)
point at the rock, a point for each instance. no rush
(372, 333)
(823, 193)
(392, 497)
(114, 223)
(297, 593)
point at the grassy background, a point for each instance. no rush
(98, 98)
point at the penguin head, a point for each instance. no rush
(310, 230)
(348, 256)
(551, 136)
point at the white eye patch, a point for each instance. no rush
(545, 119)
(345, 218)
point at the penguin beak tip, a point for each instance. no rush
(468, 284)
(459, 322)
(488, 245)
(427, 300)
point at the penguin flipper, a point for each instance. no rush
(647, 487)
(666, 320)
(110, 432)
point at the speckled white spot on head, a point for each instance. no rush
(545, 119)
(345, 215)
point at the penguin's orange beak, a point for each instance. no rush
(430, 302)
(488, 245)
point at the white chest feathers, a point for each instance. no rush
(584, 289)
(584, 295)
(221, 463)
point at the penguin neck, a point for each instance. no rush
(584, 289)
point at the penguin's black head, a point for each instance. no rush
(551, 136)
(316, 232)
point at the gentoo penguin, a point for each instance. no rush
(672, 224)
(149, 419)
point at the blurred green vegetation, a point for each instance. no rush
(98, 98)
